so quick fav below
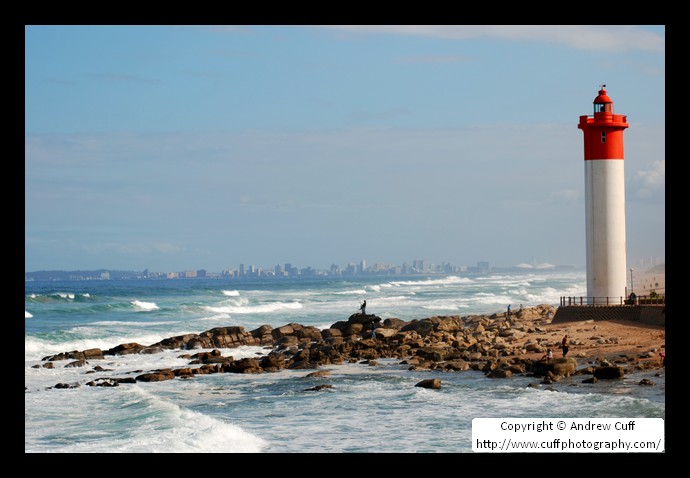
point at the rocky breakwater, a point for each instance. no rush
(497, 345)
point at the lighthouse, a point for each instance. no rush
(604, 201)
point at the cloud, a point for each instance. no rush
(651, 182)
(610, 38)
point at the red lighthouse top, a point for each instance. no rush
(603, 102)
(603, 130)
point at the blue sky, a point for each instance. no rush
(175, 148)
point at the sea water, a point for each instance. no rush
(368, 409)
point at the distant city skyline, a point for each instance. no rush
(175, 147)
(413, 266)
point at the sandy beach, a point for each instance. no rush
(614, 341)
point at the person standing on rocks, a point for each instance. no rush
(363, 307)
(565, 345)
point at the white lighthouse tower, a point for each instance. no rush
(604, 201)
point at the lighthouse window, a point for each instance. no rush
(603, 136)
(599, 107)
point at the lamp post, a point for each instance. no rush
(632, 287)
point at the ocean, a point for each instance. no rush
(367, 409)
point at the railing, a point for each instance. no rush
(608, 301)
(651, 300)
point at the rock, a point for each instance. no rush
(491, 344)
(65, 385)
(433, 383)
(363, 319)
(317, 388)
(609, 372)
(244, 365)
(93, 354)
(159, 376)
(320, 373)
(124, 349)
(77, 363)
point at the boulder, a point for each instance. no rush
(125, 349)
(421, 327)
(433, 383)
(363, 319)
(609, 372)
(92, 354)
(245, 365)
(157, 376)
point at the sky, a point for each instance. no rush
(176, 148)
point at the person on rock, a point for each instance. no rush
(565, 345)
(548, 356)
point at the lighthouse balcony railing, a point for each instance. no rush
(656, 299)
(607, 117)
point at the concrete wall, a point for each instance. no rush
(646, 314)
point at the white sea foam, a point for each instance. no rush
(215, 317)
(548, 295)
(192, 432)
(139, 304)
(446, 306)
(27, 315)
(138, 421)
(129, 324)
(252, 309)
(392, 300)
(231, 293)
(351, 292)
(492, 299)
(35, 348)
(242, 301)
(445, 281)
